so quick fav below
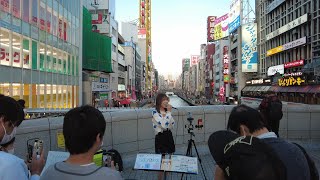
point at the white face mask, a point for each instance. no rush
(7, 137)
(11, 151)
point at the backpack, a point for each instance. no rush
(314, 174)
(116, 157)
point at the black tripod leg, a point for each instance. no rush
(189, 153)
(195, 147)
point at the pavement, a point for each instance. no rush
(208, 165)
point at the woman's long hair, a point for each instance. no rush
(159, 99)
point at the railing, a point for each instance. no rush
(130, 130)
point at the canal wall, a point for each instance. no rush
(186, 100)
(130, 131)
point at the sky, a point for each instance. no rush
(178, 27)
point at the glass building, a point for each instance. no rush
(39, 51)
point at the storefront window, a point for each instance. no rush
(55, 60)
(49, 59)
(4, 89)
(26, 53)
(5, 5)
(34, 12)
(49, 96)
(4, 47)
(17, 90)
(26, 10)
(16, 8)
(16, 46)
(42, 95)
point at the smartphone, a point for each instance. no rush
(34, 145)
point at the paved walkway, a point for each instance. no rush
(208, 163)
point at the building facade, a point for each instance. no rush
(40, 52)
(289, 49)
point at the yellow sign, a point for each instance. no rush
(291, 81)
(60, 140)
(274, 50)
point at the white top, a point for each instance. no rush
(14, 168)
(161, 122)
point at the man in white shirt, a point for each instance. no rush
(12, 167)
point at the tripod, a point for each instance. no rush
(189, 150)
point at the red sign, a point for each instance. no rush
(210, 28)
(4, 5)
(194, 59)
(294, 63)
(221, 92)
(96, 19)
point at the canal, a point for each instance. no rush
(175, 101)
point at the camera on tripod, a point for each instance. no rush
(190, 126)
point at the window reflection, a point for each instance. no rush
(4, 47)
(16, 46)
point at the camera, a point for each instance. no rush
(34, 146)
(190, 126)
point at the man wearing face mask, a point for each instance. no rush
(12, 167)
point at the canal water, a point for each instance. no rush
(175, 101)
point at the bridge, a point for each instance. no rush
(131, 132)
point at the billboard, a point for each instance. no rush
(210, 28)
(276, 69)
(194, 59)
(234, 15)
(100, 23)
(225, 63)
(221, 27)
(142, 33)
(97, 4)
(249, 48)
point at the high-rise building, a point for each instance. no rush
(40, 52)
(289, 50)
(209, 70)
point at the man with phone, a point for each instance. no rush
(12, 167)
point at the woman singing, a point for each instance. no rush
(163, 124)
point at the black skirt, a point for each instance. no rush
(164, 143)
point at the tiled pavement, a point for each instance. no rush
(208, 163)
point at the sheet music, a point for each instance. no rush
(184, 164)
(54, 157)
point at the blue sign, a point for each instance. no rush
(234, 25)
(249, 48)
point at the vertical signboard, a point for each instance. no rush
(234, 15)
(142, 33)
(221, 27)
(194, 59)
(249, 48)
(226, 77)
(210, 28)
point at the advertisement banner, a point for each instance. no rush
(291, 81)
(274, 50)
(221, 27)
(210, 28)
(234, 15)
(294, 64)
(225, 63)
(297, 22)
(96, 18)
(194, 59)
(142, 33)
(276, 69)
(97, 86)
(97, 4)
(249, 48)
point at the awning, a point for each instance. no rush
(279, 89)
(292, 89)
(245, 88)
(315, 89)
(257, 88)
(273, 88)
(304, 89)
(265, 88)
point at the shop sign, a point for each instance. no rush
(274, 50)
(104, 80)
(226, 64)
(121, 74)
(97, 86)
(295, 43)
(258, 81)
(291, 81)
(294, 63)
(276, 69)
(297, 22)
(121, 87)
(293, 74)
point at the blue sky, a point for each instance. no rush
(178, 28)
